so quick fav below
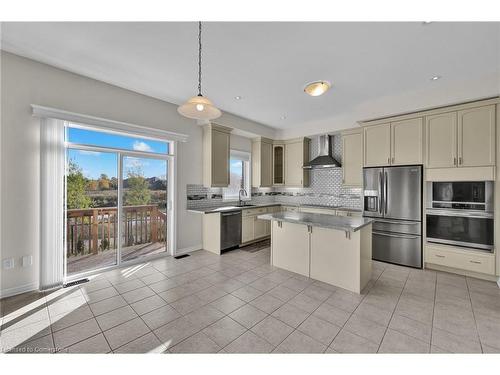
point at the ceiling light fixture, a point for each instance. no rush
(199, 107)
(426, 22)
(435, 78)
(317, 88)
(237, 97)
(283, 117)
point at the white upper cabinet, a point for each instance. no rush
(296, 154)
(352, 158)
(377, 140)
(262, 159)
(216, 145)
(278, 164)
(406, 141)
(394, 143)
(476, 137)
(441, 144)
(461, 139)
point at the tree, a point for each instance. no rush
(93, 185)
(76, 182)
(138, 189)
(104, 183)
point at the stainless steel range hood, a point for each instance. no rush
(325, 158)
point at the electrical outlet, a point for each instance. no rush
(8, 264)
(27, 261)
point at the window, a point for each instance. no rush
(239, 176)
(82, 136)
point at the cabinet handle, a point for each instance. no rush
(440, 256)
(454, 161)
(460, 160)
(388, 160)
(475, 261)
(393, 160)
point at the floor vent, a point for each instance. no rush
(182, 256)
(73, 283)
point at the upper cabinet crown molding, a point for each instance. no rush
(431, 111)
(216, 149)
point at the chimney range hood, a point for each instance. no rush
(325, 158)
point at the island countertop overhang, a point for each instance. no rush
(344, 223)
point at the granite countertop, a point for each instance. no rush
(345, 223)
(215, 209)
(209, 210)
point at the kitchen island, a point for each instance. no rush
(334, 249)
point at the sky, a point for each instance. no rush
(93, 164)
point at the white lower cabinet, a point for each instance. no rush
(259, 228)
(247, 229)
(252, 228)
(293, 251)
(339, 261)
(467, 260)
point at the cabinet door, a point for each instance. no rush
(259, 228)
(266, 164)
(220, 158)
(290, 247)
(406, 143)
(476, 137)
(352, 159)
(278, 164)
(247, 229)
(441, 140)
(294, 172)
(377, 140)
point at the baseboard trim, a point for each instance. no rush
(189, 249)
(18, 290)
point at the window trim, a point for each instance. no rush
(246, 157)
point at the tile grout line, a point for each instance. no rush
(433, 311)
(474, 315)
(353, 311)
(386, 328)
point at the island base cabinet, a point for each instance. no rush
(340, 259)
(290, 247)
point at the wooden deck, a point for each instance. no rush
(77, 264)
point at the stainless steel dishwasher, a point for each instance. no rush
(230, 230)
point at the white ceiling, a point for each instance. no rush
(377, 69)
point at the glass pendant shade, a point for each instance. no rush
(199, 108)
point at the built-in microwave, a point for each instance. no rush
(460, 214)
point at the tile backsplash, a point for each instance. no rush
(325, 188)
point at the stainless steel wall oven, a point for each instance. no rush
(461, 214)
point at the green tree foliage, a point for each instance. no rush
(138, 192)
(104, 182)
(76, 182)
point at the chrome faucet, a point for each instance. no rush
(240, 201)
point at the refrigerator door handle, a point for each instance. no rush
(380, 193)
(396, 235)
(385, 193)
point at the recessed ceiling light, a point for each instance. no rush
(426, 22)
(283, 117)
(237, 97)
(435, 78)
(317, 88)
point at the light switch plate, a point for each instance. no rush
(8, 264)
(27, 261)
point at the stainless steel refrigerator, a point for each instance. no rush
(393, 197)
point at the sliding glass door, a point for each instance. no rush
(118, 194)
(144, 201)
(91, 210)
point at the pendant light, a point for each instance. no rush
(199, 107)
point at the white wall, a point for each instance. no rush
(25, 82)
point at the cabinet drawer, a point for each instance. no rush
(461, 259)
(290, 209)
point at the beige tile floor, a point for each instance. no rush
(238, 303)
